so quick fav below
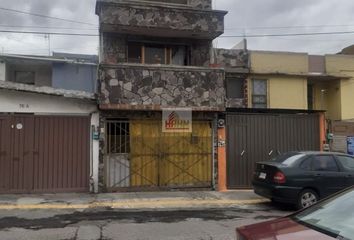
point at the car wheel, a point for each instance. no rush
(307, 198)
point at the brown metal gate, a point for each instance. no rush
(259, 137)
(44, 154)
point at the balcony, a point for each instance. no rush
(153, 87)
(159, 19)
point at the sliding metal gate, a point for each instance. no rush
(141, 156)
(259, 137)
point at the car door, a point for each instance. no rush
(328, 176)
(347, 164)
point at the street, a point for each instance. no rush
(108, 223)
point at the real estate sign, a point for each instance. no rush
(176, 120)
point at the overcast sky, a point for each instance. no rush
(244, 18)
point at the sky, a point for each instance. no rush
(251, 17)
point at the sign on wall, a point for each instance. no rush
(176, 120)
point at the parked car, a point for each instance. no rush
(332, 218)
(303, 178)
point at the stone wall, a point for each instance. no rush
(135, 86)
(114, 48)
(232, 59)
(203, 4)
(161, 21)
(200, 53)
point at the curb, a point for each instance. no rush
(138, 204)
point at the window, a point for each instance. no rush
(25, 77)
(134, 53)
(347, 162)
(235, 88)
(306, 164)
(157, 54)
(118, 137)
(259, 93)
(324, 163)
(170, 1)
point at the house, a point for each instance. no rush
(287, 101)
(266, 109)
(48, 120)
(154, 56)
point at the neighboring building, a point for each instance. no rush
(288, 80)
(156, 55)
(47, 124)
(75, 76)
(266, 109)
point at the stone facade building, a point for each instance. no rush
(156, 55)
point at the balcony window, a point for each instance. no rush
(259, 93)
(158, 54)
(170, 1)
(155, 54)
(134, 53)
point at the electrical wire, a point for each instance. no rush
(287, 34)
(48, 27)
(45, 16)
(290, 27)
(224, 36)
(51, 33)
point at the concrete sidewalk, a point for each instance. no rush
(138, 200)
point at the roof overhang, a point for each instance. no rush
(11, 86)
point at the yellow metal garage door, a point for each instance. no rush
(170, 159)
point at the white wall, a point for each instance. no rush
(95, 149)
(2, 71)
(22, 102)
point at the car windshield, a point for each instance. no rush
(334, 217)
(288, 158)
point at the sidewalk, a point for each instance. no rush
(139, 200)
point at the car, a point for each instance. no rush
(331, 218)
(303, 178)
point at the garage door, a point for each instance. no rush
(140, 155)
(44, 154)
(259, 137)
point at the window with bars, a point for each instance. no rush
(118, 137)
(259, 93)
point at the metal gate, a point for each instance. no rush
(259, 137)
(158, 160)
(44, 154)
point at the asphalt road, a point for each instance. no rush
(200, 224)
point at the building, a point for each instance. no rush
(156, 55)
(266, 109)
(48, 119)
